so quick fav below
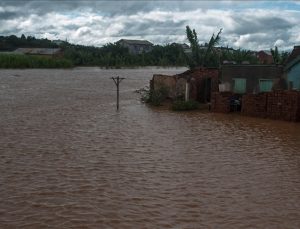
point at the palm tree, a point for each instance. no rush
(210, 48)
(275, 55)
(198, 57)
(194, 43)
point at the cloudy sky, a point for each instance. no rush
(252, 25)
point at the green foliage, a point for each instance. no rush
(238, 56)
(275, 55)
(12, 42)
(210, 52)
(23, 61)
(108, 56)
(196, 58)
(206, 56)
(154, 97)
(284, 56)
(279, 58)
(181, 105)
(114, 55)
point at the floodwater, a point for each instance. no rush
(68, 159)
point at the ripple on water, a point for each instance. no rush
(68, 159)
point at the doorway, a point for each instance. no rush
(204, 90)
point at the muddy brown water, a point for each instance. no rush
(69, 160)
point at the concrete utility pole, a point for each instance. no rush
(187, 91)
(117, 81)
(187, 88)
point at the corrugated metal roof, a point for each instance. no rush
(136, 42)
(38, 51)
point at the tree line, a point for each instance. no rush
(110, 55)
(114, 55)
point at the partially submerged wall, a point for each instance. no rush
(203, 81)
(255, 105)
(174, 86)
(220, 102)
(283, 105)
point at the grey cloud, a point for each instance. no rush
(257, 25)
(125, 19)
(71, 27)
(108, 8)
(153, 28)
(8, 32)
(7, 15)
(41, 6)
(256, 31)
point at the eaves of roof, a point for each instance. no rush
(292, 63)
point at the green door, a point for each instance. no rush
(265, 85)
(239, 85)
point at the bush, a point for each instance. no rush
(158, 96)
(181, 105)
(23, 61)
(154, 97)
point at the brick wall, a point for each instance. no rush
(200, 74)
(255, 105)
(220, 102)
(176, 84)
(283, 105)
(198, 84)
(158, 81)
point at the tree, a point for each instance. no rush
(275, 55)
(279, 58)
(194, 43)
(199, 58)
(212, 43)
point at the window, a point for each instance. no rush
(239, 85)
(265, 85)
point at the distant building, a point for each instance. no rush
(186, 48)
(49, 52)
(292, 68)
(136, 46)
(58, 42)
(225, 49)
(265, 57)
(229, 62)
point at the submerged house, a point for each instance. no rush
(252, 90)
(251, 79)
(259, 91)
(292, 69)
(136, 46)
(197, 84)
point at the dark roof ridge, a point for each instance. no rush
(294, 54)
(136, 41)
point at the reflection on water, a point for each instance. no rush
(68, 159)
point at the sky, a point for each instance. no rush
(255, 25)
